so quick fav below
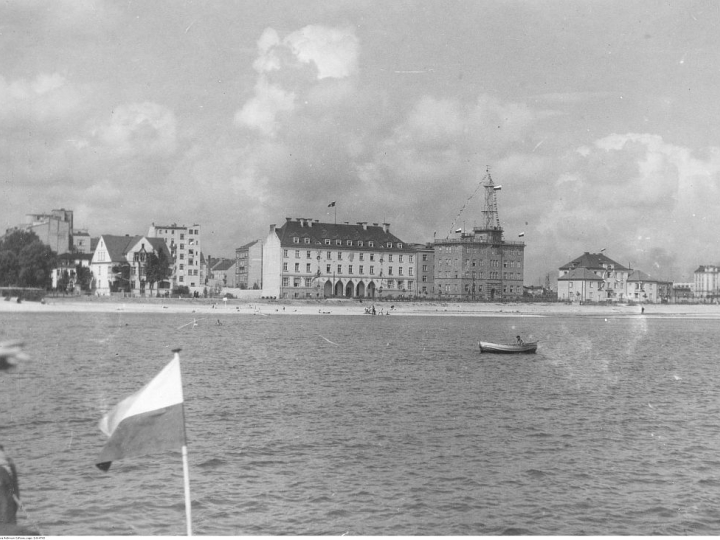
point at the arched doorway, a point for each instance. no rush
(371, 290)
(327, 289)
(338, 289)
(360, 289)
(349, 288)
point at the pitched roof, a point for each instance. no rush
(318, 232)
(118, 246)
(639, 275)
(580, 274)
(592, 260)
(223, 264)
(248, 245)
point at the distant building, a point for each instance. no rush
(707, 282)
(308, 259)
(221, 273)
(480, 264)
(119, 263)
(248, 265)
(69, 262)
(186, 251)
(643, 288)
(683, 292)
(54, 229)
(592, 277)
(425, 270)
(82, 243)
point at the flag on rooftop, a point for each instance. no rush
(331, 204)
(150, 420)
(497, 188)
(521, 234)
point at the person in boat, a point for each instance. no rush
(519, 341)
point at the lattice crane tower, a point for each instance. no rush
(491, 219)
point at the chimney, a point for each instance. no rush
(288, 219)
(386, 227)
(301, 221)
(375, 224)
(272, 228)
(309, 222)
(364, 225)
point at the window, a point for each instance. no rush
(360, 243)
(424, 268)
(285, 267)
(182, 246)
(338, 242)
(372, 256)
(328, 269)
(361, 269)
(307, 240)
(390, 271)
(286, 281)
(339, 271)
(307, 255)
(182, 236)
(362, 256)
(390, 257)
(328, 255)
(327, 241)
(285, 253)
(339, 258)
(412, 258)
(307, 268)
(296, 282)
(371, 243)
(308, 282)
(389, 245)
(424, 257)
(410, 271)
(372, 270)
(296, 240)
(399, 246)
(297, 253)
(400, 271)
(350, 269)
(349, 242)
(182, 267)
(424, 279)
(297, 267)
(401, 284)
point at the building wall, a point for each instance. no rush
(707, 281)
(425, 272)
(249, 265)
(272, 265)
(471, 268)
(185, 248)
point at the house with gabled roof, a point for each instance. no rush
(592, 277)
(642, 287)
(119, 263)
(308, 259)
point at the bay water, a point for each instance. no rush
(362, 425)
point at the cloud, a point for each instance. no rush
(282, 82)
(139, 128)
(45, 98)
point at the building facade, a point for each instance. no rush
(185, 248)
(248, 265)
(425, 270)
(119, 263)
(308, 259)
(593, 277)
(707, 282)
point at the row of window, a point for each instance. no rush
(388, 283)
(468, 289)
(351, 256)
(358, 243)
(350, 269)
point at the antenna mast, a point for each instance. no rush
(491, 219)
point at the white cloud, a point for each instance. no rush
(334, 51)
(140, 128)
(48, 96)
(261, 111)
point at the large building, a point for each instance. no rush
(308, 259)
(248, 265)
(185, 250)
(119, 263)
(707, 282)
(480, 264)
(425, 270)
(593, 277)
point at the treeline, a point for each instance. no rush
(25, 261)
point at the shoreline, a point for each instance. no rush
(350, 307)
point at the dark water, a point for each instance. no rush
(358, 425)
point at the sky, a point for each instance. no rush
(600, 119)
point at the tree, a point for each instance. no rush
(37, 262)
(158, 268)
(83, 277)
(17, 240)
(63, 281)
(9, 268)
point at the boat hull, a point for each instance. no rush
(502, 348)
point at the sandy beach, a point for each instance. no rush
(348, 307)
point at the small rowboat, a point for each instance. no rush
(526, 348)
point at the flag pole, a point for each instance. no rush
(186, 471)
(186, 477)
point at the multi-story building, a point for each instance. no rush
(248, 265)
(480, 264)
(82, 243)
(425, 270)
(185, 249)
(220, 273)
(593, 277)
(54, 229)
(643, 288)
(119, 263)
(308, 259)
(707, 282)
